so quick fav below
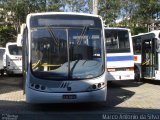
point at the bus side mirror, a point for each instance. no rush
(19, 40)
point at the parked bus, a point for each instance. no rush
(120, 63)
(64, 56)
(2, 51)
(12, 59)
(147, 55)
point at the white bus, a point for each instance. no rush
(64, 58)
(147, 55)
(12, 59)
(2, 51)
(120, 63)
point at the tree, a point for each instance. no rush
(142, 14)
(109, 10)
(147, 12)
(7, 34)
(77, 6)
(54, 5)
(13, 13)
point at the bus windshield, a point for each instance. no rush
(117, 41)
(66, 52)
(137, 41)
(15, 50)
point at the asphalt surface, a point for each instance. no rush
(126, 100)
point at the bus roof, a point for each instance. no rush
(116, 28)
(47, 18)
(2, 48)
(154, 33)
(62, 13)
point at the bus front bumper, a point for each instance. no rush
(14, 71)
(33, 96)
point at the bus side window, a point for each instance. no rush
(14, 53)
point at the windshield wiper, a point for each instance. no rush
(53, 35)
(85, 29)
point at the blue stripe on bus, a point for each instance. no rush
(119, 58)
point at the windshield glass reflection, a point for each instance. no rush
(66, 53)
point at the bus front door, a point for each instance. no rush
(149, 59)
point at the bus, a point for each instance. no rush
(147, 55)
(12, 59)
(64, 58)
(2, 51)
(120, 59)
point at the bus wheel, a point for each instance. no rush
(2, 72)
(9, 74)
(24, 82)
(137, 75)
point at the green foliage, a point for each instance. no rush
(19, 9)
(138, 30)
(78, 5)
(135, 14)
(15, 11)
(109, 10)
(7, 34)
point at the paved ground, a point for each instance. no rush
(10, 89)
(125, 97)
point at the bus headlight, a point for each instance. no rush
(96, 86)
(38, 87)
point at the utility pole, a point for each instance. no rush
(95, 7)
(46, 5)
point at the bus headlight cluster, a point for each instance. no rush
(38, 87)
(96, 86)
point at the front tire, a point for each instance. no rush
(137, 77)
(2, 72)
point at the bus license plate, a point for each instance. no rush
(69, 96)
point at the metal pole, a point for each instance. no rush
(46, 5)
(95, 7)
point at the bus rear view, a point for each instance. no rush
(120, 63)
(13, 59)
